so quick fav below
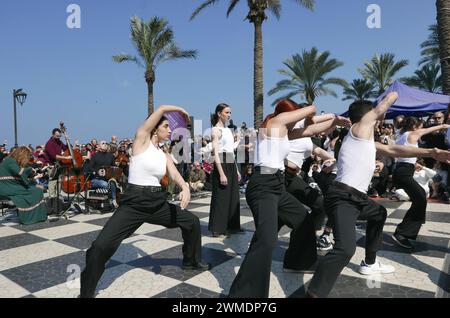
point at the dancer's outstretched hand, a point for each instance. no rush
(342, 121)
(441, 155)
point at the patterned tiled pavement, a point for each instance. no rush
(44, 260)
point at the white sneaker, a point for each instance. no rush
(376, 268)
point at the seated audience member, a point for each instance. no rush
(16, 184)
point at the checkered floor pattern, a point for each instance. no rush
(44, 260)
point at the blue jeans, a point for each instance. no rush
(102, 184)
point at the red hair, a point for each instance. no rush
(284, 106)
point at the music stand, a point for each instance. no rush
(77, 194)
(59, 170)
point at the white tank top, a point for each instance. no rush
(356, 162)
(403, 141)
(271, 152)
(148, 168)
(300, 149)
(226, 142)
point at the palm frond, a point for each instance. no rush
(201, 7)
(430, 52)
(274, 6)
(427, 78)
(283, 85)
(359, 89)
(307, 75)
(120, 58)
(308, 4)
(173, 52)
(381, 69)
(287, 96)
(233, 4)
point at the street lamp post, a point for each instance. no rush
(19, 96)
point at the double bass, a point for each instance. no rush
(74, 181)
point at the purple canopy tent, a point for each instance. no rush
(177, 124)
(413, 102)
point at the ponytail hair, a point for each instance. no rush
(215, 116)
(337, 146)
(285, 105)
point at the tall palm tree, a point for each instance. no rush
(443, 18)
(154, 42)
(430, 48)
(427, 78)
(381, 70)
(307, 76)
(257, 15)
(359, 89)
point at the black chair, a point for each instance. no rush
(4, 203)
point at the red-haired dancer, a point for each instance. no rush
(272, 207)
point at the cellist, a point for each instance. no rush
(54, 149)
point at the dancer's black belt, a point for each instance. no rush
(146, 188)
(356, 193)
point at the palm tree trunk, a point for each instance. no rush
(151, 106)
(258, 84)
(150, 79)
(443, 18)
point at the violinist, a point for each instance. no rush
(15, 184)
(54, 149)
(103, 158)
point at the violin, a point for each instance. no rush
(74, 181)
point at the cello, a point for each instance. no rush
(74, 181)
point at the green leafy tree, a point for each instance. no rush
(307, 76)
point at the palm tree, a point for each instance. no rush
(307, 76)
(359, 89)
(154, 43)
(427, 78)
(443, 18)
(257, 15)
(381, 70)
(430, 48)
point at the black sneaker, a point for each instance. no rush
(200, 266)
(402, 241)
(324, 243)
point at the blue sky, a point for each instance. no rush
(69, 74)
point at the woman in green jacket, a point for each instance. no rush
(16, 185)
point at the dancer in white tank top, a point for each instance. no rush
(300, 150)
(145, 201)
(272, 208)
(224, 213)
(346, 199)
(403, 178)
